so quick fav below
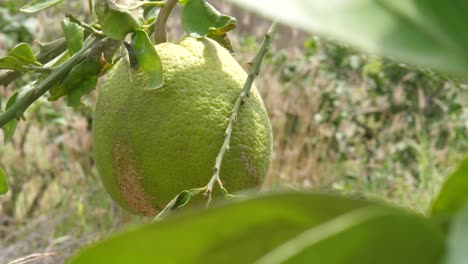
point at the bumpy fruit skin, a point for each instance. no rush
(151, 145)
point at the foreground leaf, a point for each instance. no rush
(457, 252)
(3, 182)
(428, 33)
(454, 192)
(199, 19)
(38, 5)
(148, 60)
(246, 230)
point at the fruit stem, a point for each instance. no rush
(254, 70)
(160, 32)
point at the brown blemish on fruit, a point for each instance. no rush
(129, 181)
(248, 164)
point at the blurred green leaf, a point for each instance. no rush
(11, 63)
(10, 127)
(48, 51)
(148, 60)
(23, 53)
(80, 77)
(82, 89)
(3, 182)
(454, 192)
(457, 244)
(199, 19)
(74, 35)
(428, 33)
(245, 230)
(358, 236)
(38, 5)
(115, 20)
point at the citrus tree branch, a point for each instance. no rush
(160, 32)
(57, 74)
(245, 93)
(42, 57)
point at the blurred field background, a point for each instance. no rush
(343, 121)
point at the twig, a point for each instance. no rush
(33, 257)
(20, 106)
(147, 4)
(83, 24)
(253, 72)
(38, 69)
(160, 32)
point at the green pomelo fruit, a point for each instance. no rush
(151, 145)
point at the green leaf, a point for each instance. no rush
(23, 53)
(3, 182)
(115, 20)
(199, 19)
(148, 60)
(11, 63)
(428, 33)
(454, 192)
(82, 89)
(223, 40)
(457, 252)
(245, 230)
(80, 77)
(366, 235)
(74, 35)
(10, 127)
(47, 51)
(38, 5)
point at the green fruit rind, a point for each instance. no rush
(151, 145)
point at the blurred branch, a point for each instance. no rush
(57, 75)
(253, 72)
(43, 56)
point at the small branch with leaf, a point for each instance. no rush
(183, 198)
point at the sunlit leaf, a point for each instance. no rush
(23, 53)
(244, 231)
(38, 5)
(199, 19)
(454, 192)
(116, 21)
(11, 63)
(457, 252)
(74, 35)
(148, 60)
(428, 33)
(3, 182)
